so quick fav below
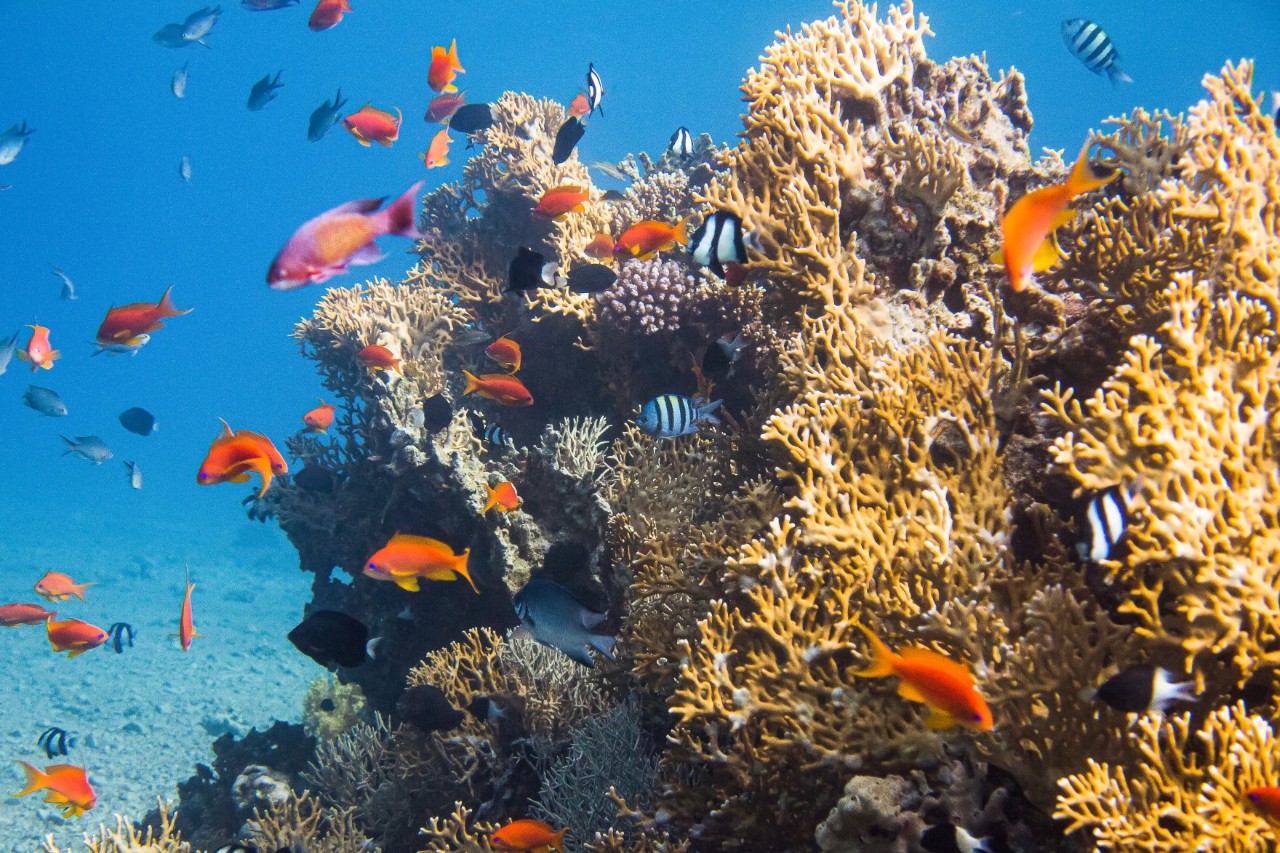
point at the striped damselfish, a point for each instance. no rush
(672, 415)
(1089, 44)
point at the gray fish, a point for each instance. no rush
(200, 23)
(557, 619)
(135, 474)
(6, 352)
(266, 5)
(264, 91)
(11, 142)
(325, 117)
(68, 289)
(88, 447)
(45, 401)
(471, 337)
(170, 35)
(179, 83)
(609, 169)
(184, 168)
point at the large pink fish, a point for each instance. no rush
(343, 237)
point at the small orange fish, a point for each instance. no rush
(438, 152)
(937, 681)
(404, 559)
(503, 496)
(1026, 230)
(371, 124)
(320, 418)
(600, 247)
(442, 107)
(39, 351)
(233, 456)
(186, 629)
(579, 106)
(13, 615)
(74, 636)
(499, 387)
(444, 67)
(327, 14)
(506, 352)
(1265, 799)
(55, 586)
(67, 785)
(646, 239)
(528, 835)
(559, 201)
(126, 322)
(377, 357)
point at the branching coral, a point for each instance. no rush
(126, 837)
(301, 822)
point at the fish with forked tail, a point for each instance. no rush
(556, 619)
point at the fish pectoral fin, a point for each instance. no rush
(910, 692)
(242, 477)
(1046, 256)
(22, 355)
(74, 653)
(410, 584)
(939, 720)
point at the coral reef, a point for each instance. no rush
(300, 822)
(125, 837)
(330, 708)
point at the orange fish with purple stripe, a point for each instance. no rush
(55, 586)
(558, 202)
(377, 358)
(74, 636)
(370, 124)
(320, 418)
(13, 615)
(444, 67)
(528, 835)
(186, 628)
(647, 238)
(126, 322)
(232, 457)
(505, 352)
(503, 496)
(405, 559)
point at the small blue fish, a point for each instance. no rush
(200, 23)
(266, 5)
(557, 619)
(264, 91)
(135, 474)
(88, 447)
(325, 117)
(1089, 44)
(127, 347)
(68, 289)
(673, 415)
(7, 346)
(45, 401)
(11, 142)
(170, 35)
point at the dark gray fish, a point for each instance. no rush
(138, 420)
(612, 195)
(88, 447)
(591, 278)
(471, 118)
(333, 639)
(315, 478)
(54, 741)
(121, 634)
(1144, 688)
(425, 707)
(170, 35)
(567, 138)
(525, 270)
(681, 143)
(436, 413)
(949, 838)
(135, 474)
(7, 347)
(1089, 44)
(68, 289)
(45, 401)
(266, 5)
(557, 619)
(722, 355)
(12, 141)
(595, 89)
(325, 117)
(264, 91)
(200, 23)
(469, 338)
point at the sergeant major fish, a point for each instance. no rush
(673, 415)
(1089, 44)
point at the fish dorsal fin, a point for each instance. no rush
(360, 205)
(410, 539)
(928, 657)
(226, 430)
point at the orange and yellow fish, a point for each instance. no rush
(55, 586)
(233, 456)
(327, 14)
(646, 239)
(405, 559)
(557, 202)
(505, 352)
(186, 628)
(38, 350)
(438, 151)
(320, 418)
(74, 636)
(444, 67)
(600, 247)
(127, 322)
(1026, 231)
(937, 681)
(503, 496)
(528, 835)
(13, 615)
(370, 124)
(67, 787)
(500, 387)
(378, 358)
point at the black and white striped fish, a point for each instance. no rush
(1105, 521)
(720, 240)
(55, 742)
(1089, 44)
(1144, 688)
(496, 436)
(595, 89)
(681, 143)
(673, 415)
(121, 634)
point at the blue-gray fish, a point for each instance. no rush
(11, 142)
(674, 415)
(68, 289)
(7, 346)
(266, 5)
(325, 117)
(88, 447)
(45, 401)
(135, 474)
(264, 91)
(184, 168)
(170, 35)
(179, 82)
(1089, 44)
(200, 23)
(557, 619)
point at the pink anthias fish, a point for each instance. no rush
(341, 238)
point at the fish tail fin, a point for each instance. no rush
(36, 779)
(493, 500)
(704, 412)
(166, 306)
(400, 217)
(454, 62)
(78, 590)
(472, 382)
(882, 659)
(603, 643)
(266, 480)
(557, 840)
(460, 568)
(681, 234)
(22, 355)
(1118, 76)
(1083, 178)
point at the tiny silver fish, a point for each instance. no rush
(184, 168)
(264, 91)
(7, 346)
(179, 83)
(609, 169)
(12, 141)
(45, 401)
(170, 35)
(88, 447)
(557, 619)
(68, 289)
(135, 474)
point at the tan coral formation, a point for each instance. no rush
(127, 837)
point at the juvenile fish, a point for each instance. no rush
(1089, 44)
(54, 741)
(681, 143)
(88, 447)
(264, 91)
(45, 401)
(200, 23)
(121, 634)
(12, 141)
(324, 117)
(267, 5)
(184, 168)
(68, 289)
(179, 83)
(135, 474)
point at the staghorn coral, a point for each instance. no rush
(127, 837)
(330, 708)
(576, 446)
(301, 822)
(457, 833)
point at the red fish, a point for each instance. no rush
(503, 496)
(320, 418)
(1265, 799)
(528, 835)
(327, 14)
(138, 318)
(506, 352)
(67, 786)
(499, 387)
(600, 247)
(74, 636)
(370, 124)
(442, 107)
(38, 350)
(233, 456)
(378, 358)
(186, 629)
(937, 681)
(1026, 230)
(404, 559)
(444, 67)
(579, 106)
(559, 201)
(341, 238)
(438, 151)
(646, 239)
(13, 615)
(55, 586)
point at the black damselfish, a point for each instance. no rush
(1144, 688)
(471, 118)
(567, 138)
(138, 420)
(436, 413)
(121, 634)
(315, 478)
(525, 271)
(591, 278)
(426, 708)
(720, 240)
(333, 639)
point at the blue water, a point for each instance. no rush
(97, 192)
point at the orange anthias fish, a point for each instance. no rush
(526, 835)
(74, 636)
(499, 387)
(506, 352)
(646, 239)
(438, 152)
(559, 201)
(1026, 230)
(600, 247)
(503, 496)
(371, 124)
(13, 615)
(442, 107)
(67, 785)
(444, 67)
(579, 106)
(327, 14)
(139, 318)
(186, 628)
(377, 358)
(404, 559)
(320, 418)
(1265, 799)
(38, 350)
(233, 456)
(937, 681)
(55, 586)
